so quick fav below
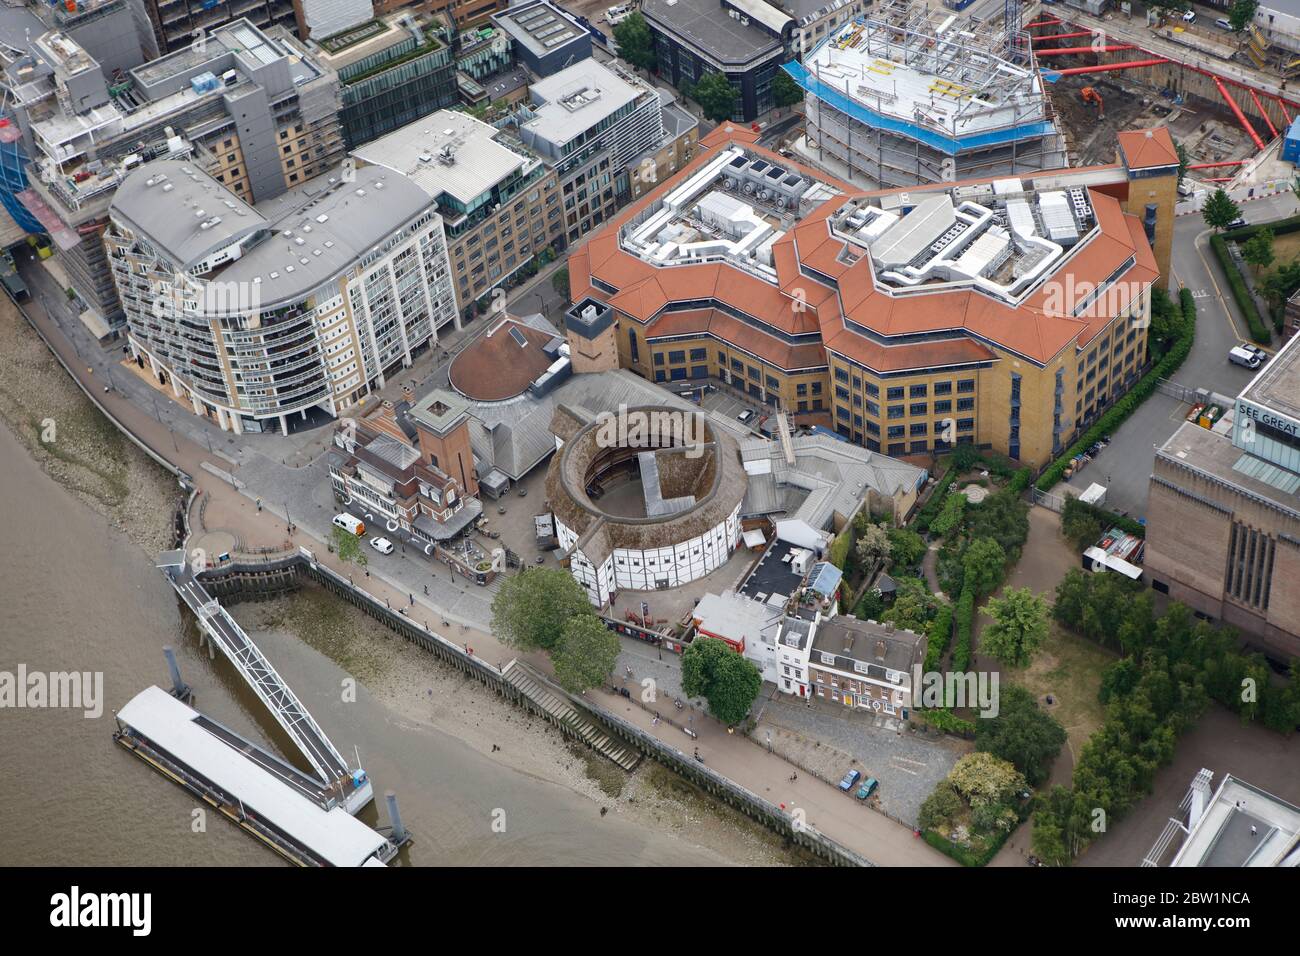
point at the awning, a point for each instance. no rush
(446, 530)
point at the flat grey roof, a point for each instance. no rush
(576, 99)
(1215, 455)
(477, 164)
(541, 27)
(172, 217)
(1277, 386)
(316, 232)
(707, 27)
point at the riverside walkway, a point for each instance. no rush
(839, 817)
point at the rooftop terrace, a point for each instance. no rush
(733, 209)
(1001, 237)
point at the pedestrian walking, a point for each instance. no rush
(426, 590)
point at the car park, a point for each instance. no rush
(849, 780)
(382, 545)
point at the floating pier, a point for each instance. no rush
(281, 806)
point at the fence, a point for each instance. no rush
(1174, 390)
(1047, 500)
(257, 579)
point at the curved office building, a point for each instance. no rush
(255, 314)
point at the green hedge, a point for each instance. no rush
(1110, 519)
(940, 634)
(964, 616)
(945, 720)
(1139, 393)
(839, 550)
(964, 855)
(930, 510)
(1245, 301)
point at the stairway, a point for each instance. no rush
(537, 689)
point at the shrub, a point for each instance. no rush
(964, 616)
(939, 636)
(1245, 301)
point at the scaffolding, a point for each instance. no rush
(894, 100)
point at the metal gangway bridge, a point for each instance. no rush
(336, 782)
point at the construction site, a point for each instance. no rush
(914, 94)
(1115, 73)
(909, 96)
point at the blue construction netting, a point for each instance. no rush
(952, 145)
(13, 180)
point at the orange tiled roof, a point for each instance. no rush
(1143, 148)
(1038, 329)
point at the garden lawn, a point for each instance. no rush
(1069, 668)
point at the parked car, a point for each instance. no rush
(1189, 16)
(1185, 188)
(1238, 223)
(382, 545)
(849, 780)
(348, 523)
(868, 788)
(1246, 356)
(1223, 24)
(745, 416)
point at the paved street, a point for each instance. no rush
(1126, 464)
(829, 740)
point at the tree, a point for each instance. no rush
(906, 547)
(586, 653)
(1219, 210)
(1079, 525)
(785, 91)
(635, 44)
(560, 281)
(1241, 14)
(531, 609)
(1168, 8)
(873, 544)
(950, 515)
(1183, 161)
(716, 96)
(984, 564)
(913, 607)
(985, 780)
(1166, 323)
(729, 682)
(347, 546)
(1019, 627)
(1002, 517)
(943, 807)
(1022, 733)
(1281, 284)
(1258, 250)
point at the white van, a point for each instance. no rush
(1250, 358)
(349, 523)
